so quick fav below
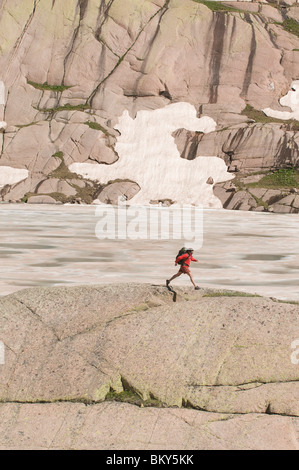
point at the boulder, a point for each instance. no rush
(256, 147)
(241, 200)
(223, 194)
(258, 192)
(84, 333)
(54, 185)
(272, 196)
(287, 200)
(231, 356)
(42, 200)
(259, 209)
(123, 190)
(281, 208)
(251, 179)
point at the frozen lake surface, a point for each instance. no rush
(45, 245)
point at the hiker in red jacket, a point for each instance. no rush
(185, 261)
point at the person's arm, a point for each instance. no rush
(193, 259)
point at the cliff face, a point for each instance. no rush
(91, 82)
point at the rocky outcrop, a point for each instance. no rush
(248, 193)
(116, 192)
(100, 60)
(42, 200)
(121, 426)
(231, 356)
(246, 148)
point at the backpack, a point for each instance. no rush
(180, 253)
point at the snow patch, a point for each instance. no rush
(149, 156)
(291, 99)
(9, 175)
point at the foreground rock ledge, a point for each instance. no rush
(121, 426)
(222, 355)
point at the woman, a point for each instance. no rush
(184, 260)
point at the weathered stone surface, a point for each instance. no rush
(43, 199)
(225, 355)
(123, 189)
(294, 13)
(80, 143)
(239, 199)
(258, 192)
(266, 10)
(187, 143)
(18, 190)
(251, 179)
(54, 185)
(70, 70)
(29, 148)
(223, 194)
(83, 332)
(272, 195)
(288, 200)
(250, 198)
(259, 209)
(78, 183)
(79, 427)
(280, 208)
(253, 148)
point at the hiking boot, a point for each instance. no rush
(196, 288)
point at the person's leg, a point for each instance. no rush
(173, 277)
(191, 278)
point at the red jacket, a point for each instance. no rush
(187, 259)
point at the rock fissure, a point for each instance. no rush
(103, 15)
(20, 38)
(257, 384)
(82, 7)
(146, 57)
(92, 95)
(216, 55)
(39, 318)
(249, 70)
(187, 405)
